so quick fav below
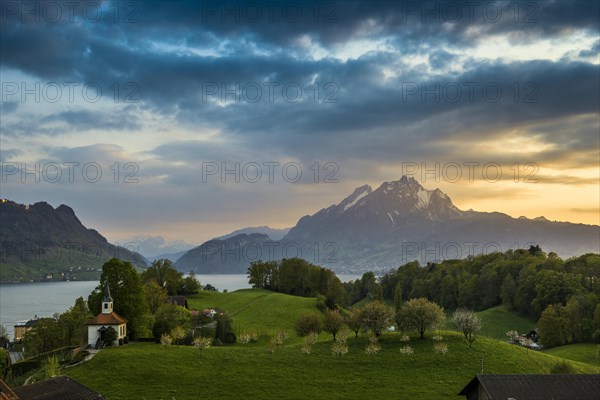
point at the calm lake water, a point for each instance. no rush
(21, 302)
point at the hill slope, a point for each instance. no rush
(37, 240)
(249, 371)
(256, 309)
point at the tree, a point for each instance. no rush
(307, 323)
(165, 275)
(354, 321)
(44, 336)
(72, 323)
(535, 250)
(376, 316)
(4, 363)
(468, 323)
(224, 331)
(168, 316)
(333, 322)
(421, 315)
(191, 285)
(156, 296)
(128, 294)
(398, 296)
(553, 327)
(508, 291)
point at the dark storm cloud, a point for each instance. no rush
(67, 46)
(177, 53)
(71, 121)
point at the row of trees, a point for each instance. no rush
(527, 281)
(415, 315)
(298, 277)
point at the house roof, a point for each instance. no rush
(107, 319)
(57, 388)
(6, 392)
(180, 301)
(537, 387)
(32, 322)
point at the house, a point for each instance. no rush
(57, 388)
(533, 335)
(533, 387)
(211, 312)
(22, 327)
(107, 318)
(180, 301)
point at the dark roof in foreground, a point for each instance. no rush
(57, 388)
(537, 387)
(6, 392)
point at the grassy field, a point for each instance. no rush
(150, 371)
(495, 322)
(583, 352)
(256, 310)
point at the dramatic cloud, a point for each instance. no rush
(186, 99)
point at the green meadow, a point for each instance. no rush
(152, 371)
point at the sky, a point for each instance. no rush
(188, 120)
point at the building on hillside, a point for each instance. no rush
(57, 388)
(22, 327)
(180, 301)
(533, 387)
(107, 318)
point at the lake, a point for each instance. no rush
(21, 302)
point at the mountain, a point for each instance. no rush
(226, 256)
(398, 222)
(273, 233)
(168, 256)
(156, 247)
(41, 242)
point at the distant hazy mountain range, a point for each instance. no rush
(400, 221)
(39, 241)
(157, 247)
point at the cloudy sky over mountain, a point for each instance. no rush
(134, 110)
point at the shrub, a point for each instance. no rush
(202, 343)
(310, 339)
(166, 339)
(438, 338)
(406, 350)
(51, 366)
(372, 349)
(405, 338)
(513, 336)
(342, 336)
(110, 336)
(440, 348)
(307, 323)
(339, 349)
(562, 367)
